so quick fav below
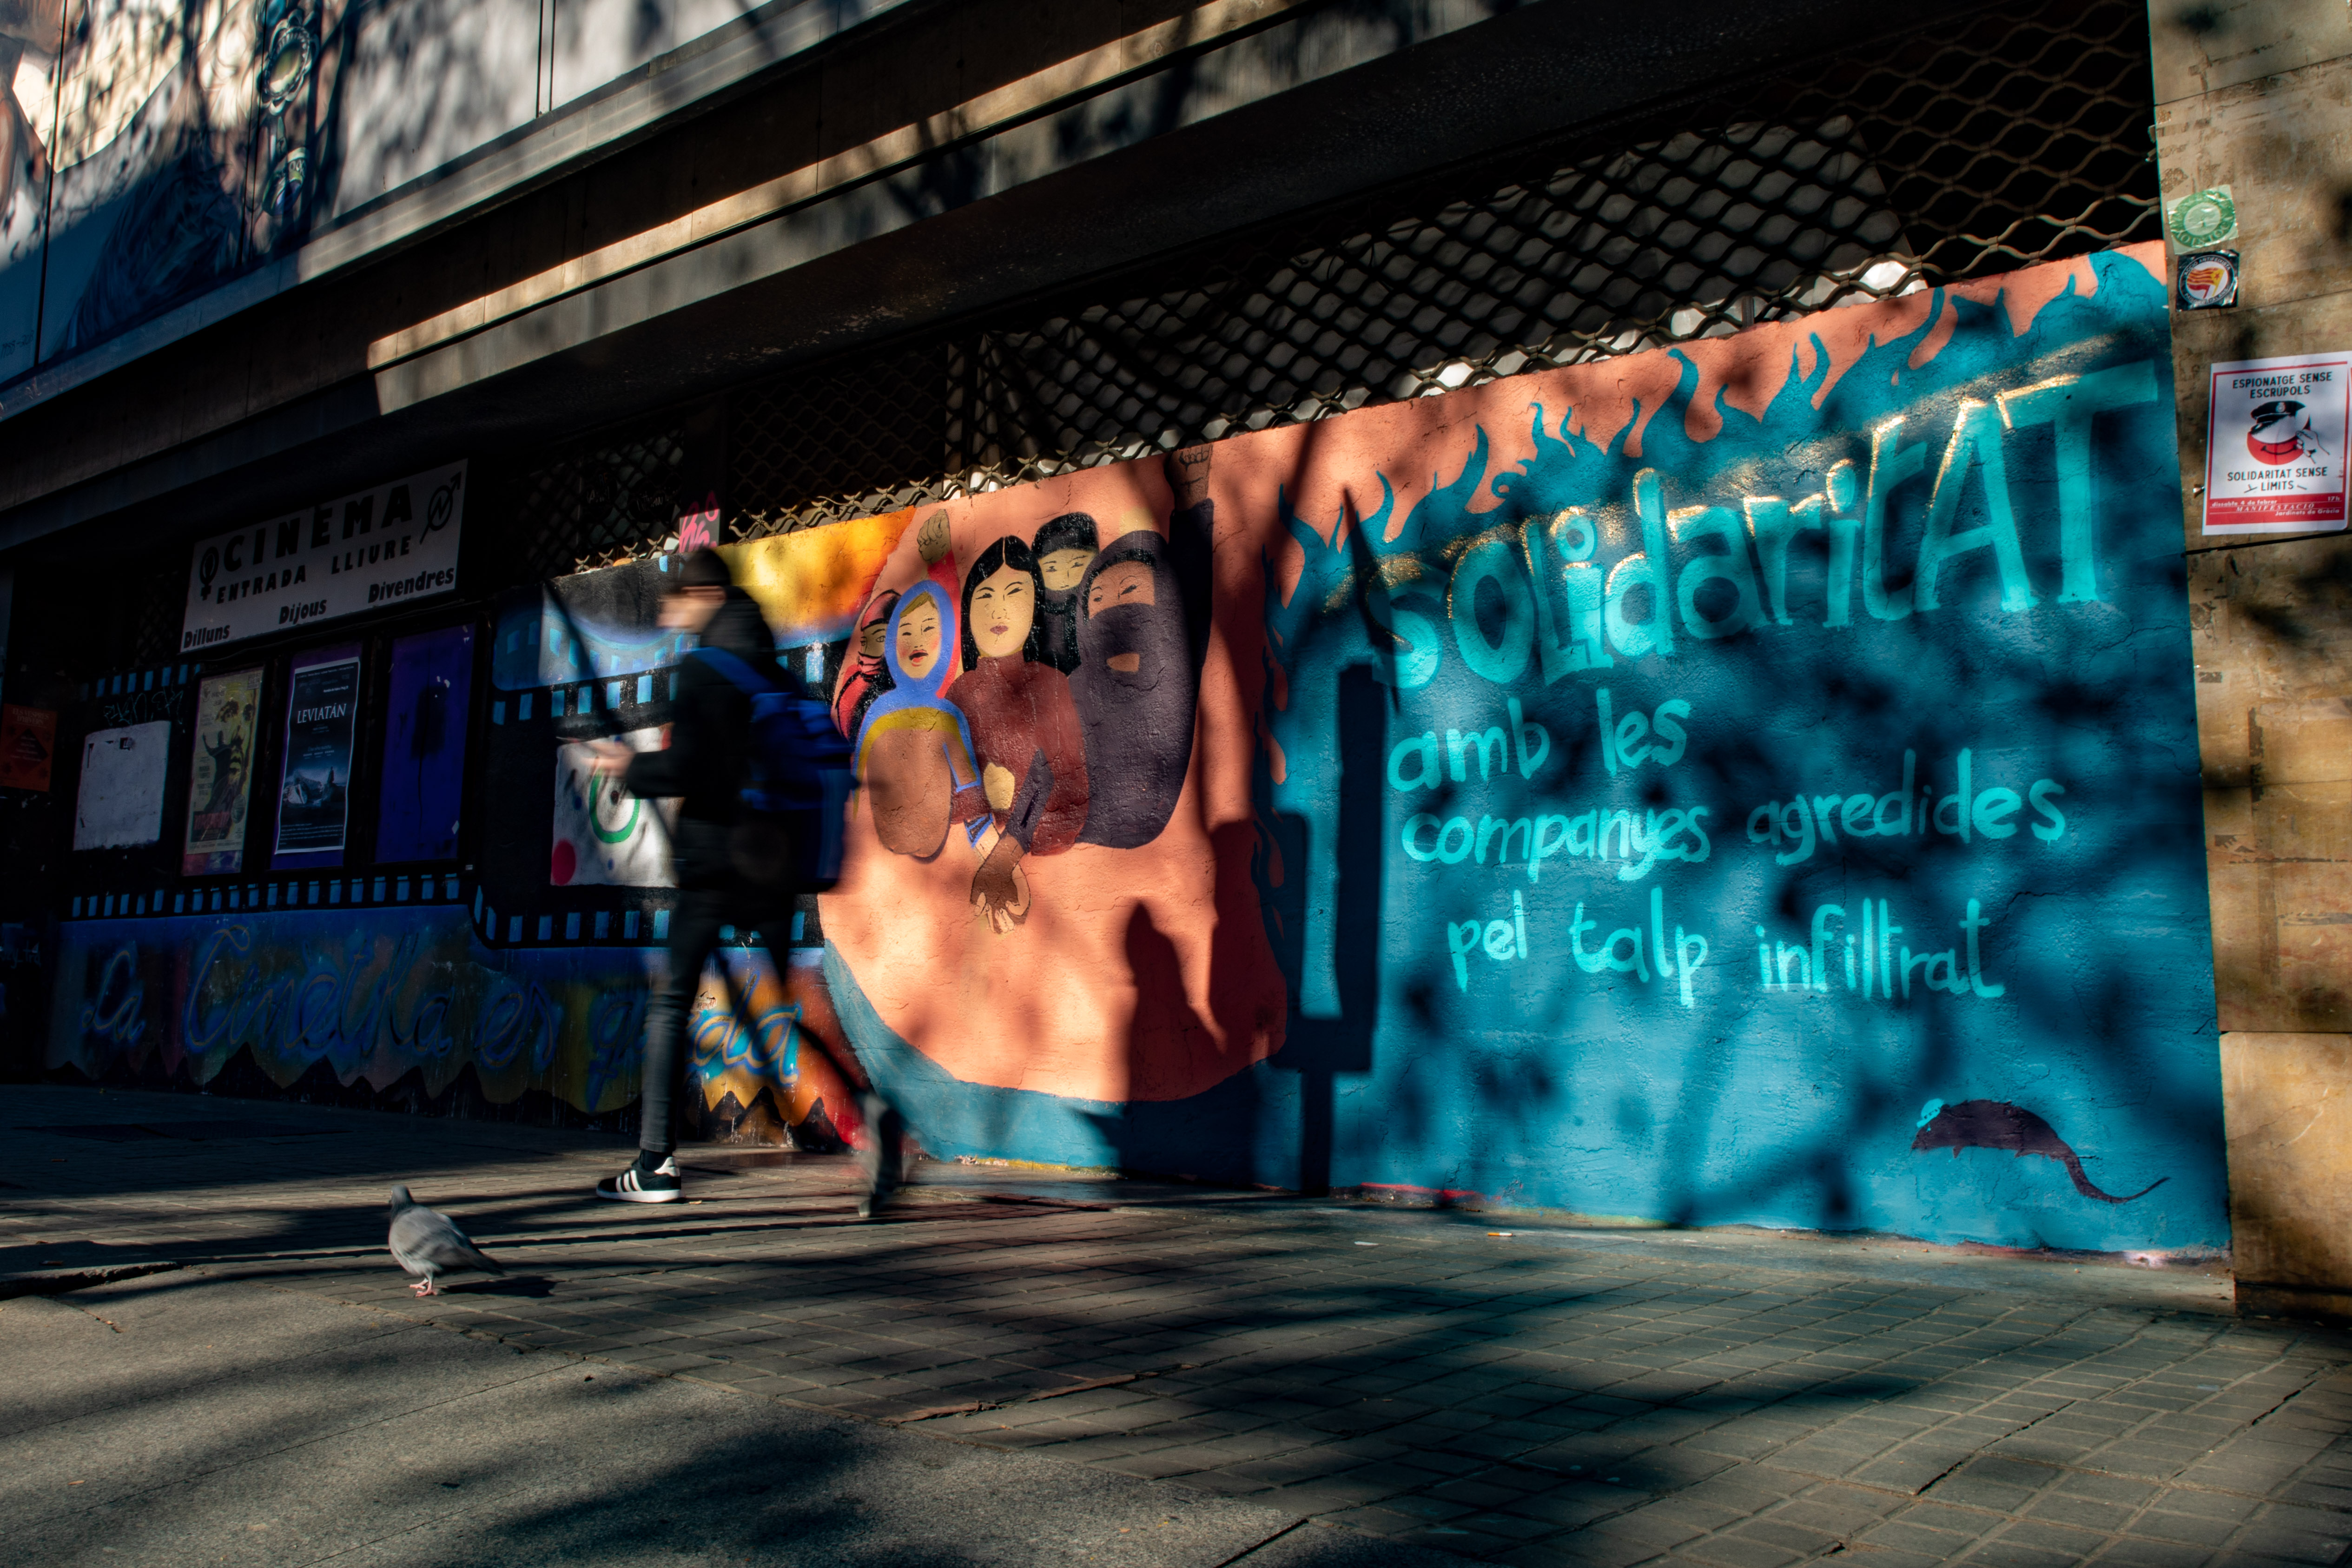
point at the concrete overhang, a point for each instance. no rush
(1292, 106)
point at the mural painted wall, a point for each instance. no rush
(1751, 782)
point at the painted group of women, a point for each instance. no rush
(1046, 698)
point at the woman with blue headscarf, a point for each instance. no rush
(914, 750)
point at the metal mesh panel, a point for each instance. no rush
(601, 502)
(156, 605)
(131, 620)
(1670, 239)
(2015, 136)
(851, 440)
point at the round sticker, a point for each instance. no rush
(2208, 280)
(2207, 217)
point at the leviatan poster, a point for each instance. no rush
(425, 745)
(220, 773)
(314, 801)
(124, 772)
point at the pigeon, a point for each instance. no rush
(426, 1242)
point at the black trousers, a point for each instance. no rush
(694, 930)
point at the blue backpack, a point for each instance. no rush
(799, 768)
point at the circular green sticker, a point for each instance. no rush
(2207, 217)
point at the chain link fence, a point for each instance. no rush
(2016, 135)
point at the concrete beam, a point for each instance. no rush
(1322, 104)
(595, 126)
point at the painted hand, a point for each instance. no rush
(1188, 476)
(932, 541)
(996, 886)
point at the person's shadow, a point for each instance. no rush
(1320, 1049)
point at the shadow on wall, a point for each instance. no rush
(1275, 1124)
(1794, 735)
(1318, 1048)
(241, 1077)
(1672, 776)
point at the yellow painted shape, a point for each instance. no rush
(817, 576)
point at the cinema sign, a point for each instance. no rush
(381, 546)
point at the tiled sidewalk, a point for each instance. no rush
(1502, 1388)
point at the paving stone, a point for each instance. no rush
(2266, 1540)
(1736, 1551)
(1161, 1465)
(2184, 1530)
(2004, 1552)
(1568, 1508)
(2189, 1502)
(1907, 1535)
(1476, 1494)
(2062, 1507)
(2132, 1552)
(2051, 1536)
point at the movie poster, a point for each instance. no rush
(220, 773)
(28, 744)
(424, 746)
(314, 798)
(124, 772)
(604, 835)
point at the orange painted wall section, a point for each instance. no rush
(1137, 975)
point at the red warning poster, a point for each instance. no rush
(2275, 444)
(27, 738)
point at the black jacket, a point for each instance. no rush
(710, 724)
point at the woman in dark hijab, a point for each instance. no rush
(1024, 727)
(1135, 686)
(1064, 547)
(869, 673)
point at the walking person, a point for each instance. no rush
(734, 867)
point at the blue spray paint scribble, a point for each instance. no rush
(378, 992)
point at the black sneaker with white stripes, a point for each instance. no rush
(881, 1159)
(643, 1183)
